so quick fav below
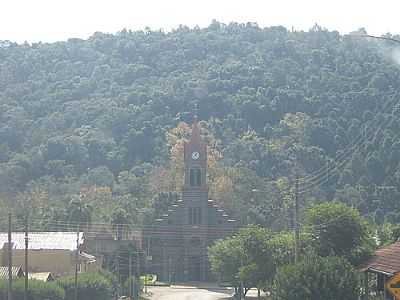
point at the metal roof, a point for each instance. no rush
(385, 260)
(16, 272)
(88, 257)
(42, 276)
(43, 240)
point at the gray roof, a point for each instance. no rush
(42, 240)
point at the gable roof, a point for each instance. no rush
(385, 260)
(43, 240)
(17, 272)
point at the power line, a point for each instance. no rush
(319, 180)
(360, 140)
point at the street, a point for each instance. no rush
(188, 293)
(194, 292)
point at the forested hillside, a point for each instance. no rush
(103, 118)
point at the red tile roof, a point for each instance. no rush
(386, 260)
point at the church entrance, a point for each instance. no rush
(194, 268)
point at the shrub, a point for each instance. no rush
(91, 286)
(134, 283)
(38, 290)
(327, 278)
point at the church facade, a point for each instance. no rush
(176, 245)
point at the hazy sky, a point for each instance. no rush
(52, 20)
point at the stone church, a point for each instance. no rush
(176, 245)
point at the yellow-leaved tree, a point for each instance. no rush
(170, 177)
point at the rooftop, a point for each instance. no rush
(385, 260)
(16, 272)
(43, 240)
(42, 276)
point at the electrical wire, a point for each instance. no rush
(319, 180)
(359, 142)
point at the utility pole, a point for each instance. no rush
(327, 172)
(9, 259)
(169, 269)
(137, 279)
(77, 248)
(130, 276)
(118, 273)
(76, 262)
(296, 218)
(145, 264)
(26, 258)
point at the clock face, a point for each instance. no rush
(195, 155)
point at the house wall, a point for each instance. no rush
(58, 262)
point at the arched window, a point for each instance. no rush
(195, 177)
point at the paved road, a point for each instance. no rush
(188, 293)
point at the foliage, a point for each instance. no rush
(132, 286)
(283, 248)
(337, 229)
(225, 256)
(38, 290)
(387, 233)
(315, 278)
(108, 115)
(246, 257)
(90, 286)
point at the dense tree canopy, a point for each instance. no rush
(317, 278)
(336, 229)
(247, 257)
(98, 115)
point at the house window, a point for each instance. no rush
(194, 215)
(195, 177)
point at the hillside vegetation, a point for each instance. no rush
(105, 118)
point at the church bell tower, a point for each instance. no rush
(180, 238)
(195, 160)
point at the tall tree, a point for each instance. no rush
(337, 229)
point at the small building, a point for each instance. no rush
(16, 272)
(53, 252)
(379, 269)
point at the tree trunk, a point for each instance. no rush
(258, 294)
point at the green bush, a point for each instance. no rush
(327, 278)
(136, 285)
(91, 286)
(38, 290)
(112, 279)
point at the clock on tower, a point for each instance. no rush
(195, 155)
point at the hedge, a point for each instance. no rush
(91, 286)
(38, 290)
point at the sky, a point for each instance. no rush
(55, 20)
